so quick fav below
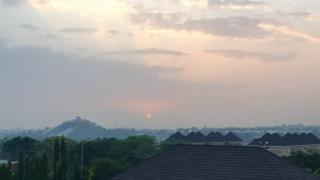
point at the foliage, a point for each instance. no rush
(308, 160)
(5, 173)
(59, 158)
(12, 148)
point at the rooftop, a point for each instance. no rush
(286, 140)
(204, 162)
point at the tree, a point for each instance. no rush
(5, 173)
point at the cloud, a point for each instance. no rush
(240, 27)
(113, 32)
(233, 27)
(29, 27)
(284, 30)
(13, 3)
(235, 4)
(240, 55)
(308, 16)
(50, 36)
(150, 51)
(79, 30)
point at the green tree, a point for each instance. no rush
(5, 173)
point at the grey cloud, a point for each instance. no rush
(165, 20)
(240, 3)
(13, 3)
(233, 27)
(29, 27)
(113, 32)
(150, 51)
(50, 36)
(239, 54)
(79, 30)
(310, 16)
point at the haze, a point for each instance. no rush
(159, 63)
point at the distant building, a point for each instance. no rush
(287, 144)
(213, 138)
(208, 162)
(13, 164)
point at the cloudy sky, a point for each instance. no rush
(159, 63)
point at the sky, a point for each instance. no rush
(159, 63)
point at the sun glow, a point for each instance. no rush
(148, 115)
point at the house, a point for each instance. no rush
(176, 137)
(232, 139)
(213, 138)
(287, 144)
(210, 162)
(195, 137)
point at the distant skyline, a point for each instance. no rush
(159, 64)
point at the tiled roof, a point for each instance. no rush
(177, 136)
(215, 137)
(205, 162)
(195, 137)
(232, 137)
(286, 140)
(199, 137)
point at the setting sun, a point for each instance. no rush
(148, 115)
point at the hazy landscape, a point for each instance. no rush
(159, 89)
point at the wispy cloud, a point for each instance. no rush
(50, 36)
(235, 4)
(29, 27)
(241, 55)
(13, 3)
(233, 27)
(285, 30)
(80, 30)
(306, 15)
(150, 51)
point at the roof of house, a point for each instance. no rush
(286, 140)
(204, 162)
(176, 136)
(211, 137)
(232, 137)
(195, 137)
(215, 137)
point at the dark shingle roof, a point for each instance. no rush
(204, 162)
(198, 137)
(286, 140)
(215, 137)
(176, 136)
(232, 137)
(195, 137)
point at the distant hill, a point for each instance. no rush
(81, 129)
(77, 129)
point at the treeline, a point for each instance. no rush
(308, 160)
(60, 158)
